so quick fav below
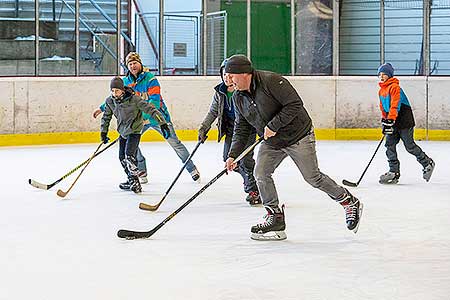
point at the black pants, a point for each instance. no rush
(407, 136)
(246, 166)
(127, 154)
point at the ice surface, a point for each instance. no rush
(53, 248)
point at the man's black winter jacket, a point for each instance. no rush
(272, 101)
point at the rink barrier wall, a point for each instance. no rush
(191, 135)
(53, 110)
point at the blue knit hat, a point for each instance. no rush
(387, 69)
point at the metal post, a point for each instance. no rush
(36, 41)
(118, 34)
(293, 25)
(382, 32)
(249, 30)
(426, 37)
(426, 58)
(161, 37)
(77, 38)
(16, 9)
(54, 10)
(204, 38)
(336, 18)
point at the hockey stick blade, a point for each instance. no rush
(132, 235)
(145, 206)
(348, 183)
(38, 184)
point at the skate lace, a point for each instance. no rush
(350, 212)
(268, 221)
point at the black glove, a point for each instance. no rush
(165, 131)
(104, 137)
(202, 137)
(387, 126)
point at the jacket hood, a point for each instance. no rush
(388, 82)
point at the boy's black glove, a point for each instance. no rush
(104, 137)
(387, 126)
(165, 131)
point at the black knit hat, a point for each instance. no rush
(238, 64)
(117, 83)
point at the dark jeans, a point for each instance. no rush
(128, 147)
(247, 165)
(407, 136)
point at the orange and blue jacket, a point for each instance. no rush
(394, 104)
(147, 87)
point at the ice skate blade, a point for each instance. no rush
(269, 236)
(360, 211)
(395, 181)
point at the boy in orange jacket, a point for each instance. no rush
(398, 124)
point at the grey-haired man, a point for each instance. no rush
(267, 102)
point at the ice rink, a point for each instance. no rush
(53, 248)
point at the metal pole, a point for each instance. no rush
(118, 33)
(382, 32)
(204, 37)
(16, 9)
(77, 37)
(249, 30)
(161, 37)
(54, 10)
(36, 41)
(426, 37)
(426, 58)
(336, 18)
(293, 24)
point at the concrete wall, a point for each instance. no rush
(64, 104)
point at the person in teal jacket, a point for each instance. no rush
(145, 85)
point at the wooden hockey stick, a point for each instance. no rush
(61, 193)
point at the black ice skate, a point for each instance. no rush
(195, 174)
(390, 178)
(428, 170)
(273, 226)
(353, 211)
(143, 177)
(126, 186)
(253, 198)
(135, 185)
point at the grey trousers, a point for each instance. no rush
(303, 153)
(407, 136)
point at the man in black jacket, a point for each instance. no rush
(267, 102)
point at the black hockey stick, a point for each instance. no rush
(49, 186)
(130, 234)
(61, 193)
(150, 207)
(353, 184)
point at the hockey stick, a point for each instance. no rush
(353, 184)
(61, 193)
(130, 234)
(150, 207)
(49, 186)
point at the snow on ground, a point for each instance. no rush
(53, 248)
